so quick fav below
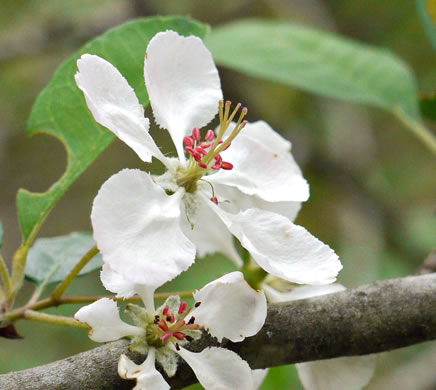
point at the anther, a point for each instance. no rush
(166, 310)
(210, 136)
(214, 199)
(197, 304)
(188, 141)
(226, 166)
(196, 134)
(191, 320)
(189, 338)
(182, 307)
(177, 346)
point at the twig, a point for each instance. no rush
(377, 317)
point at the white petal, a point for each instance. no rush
(261, 169)
(113, 103)
(219, 369)
(104, 319)
(234, 201)
(259, 376)
(114, 282)
(302, 292)
(230, 308)
(346, 373)
(282, 248)
(137, 229)
(182, 83)
(146, 375)
(209, 234)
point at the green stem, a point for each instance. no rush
(62, 287)
(418, 129)
(6, 281)
(18, 268)
(53, 319)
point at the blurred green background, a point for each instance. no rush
(372, 183)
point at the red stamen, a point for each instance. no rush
(228, 146)
(166, 310)
(165, 337)
(188, 141)
(201, 150)
(218, 159)
(183, 307)
(201, 165)
(197, 156)
(204, 145)
(196, 134)
(164, 326)
(210, 136)
(226, 166)
(190, 150)
(179, 335)
(214, 199)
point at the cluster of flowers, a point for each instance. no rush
(233, 183)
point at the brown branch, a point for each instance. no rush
(373, 318)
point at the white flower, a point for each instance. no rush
(251, 190)
(229, 308)
(345, 373)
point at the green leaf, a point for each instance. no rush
(1, 234)
(52, 259)
(61, 111)
(427, 13)
(316, 61)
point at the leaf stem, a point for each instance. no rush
(62, 287)
(418, 129)
(53, 319)
(6, 281)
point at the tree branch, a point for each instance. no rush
(373, 318)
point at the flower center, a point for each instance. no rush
(169, 327)
(204, 156)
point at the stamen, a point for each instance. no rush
(210, 135)
(196, 134)
(182, 307)
(166, 310)
(177, 346)
(189, 338)
(227, 166)
(214, 199)
(188, 141)
(179, 335)
(197, 304)
(191, 320)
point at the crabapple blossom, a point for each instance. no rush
(239, 181)
(227, 307)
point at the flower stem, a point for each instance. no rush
(62, 287)
(418, 129)
(5, 278)
(53, 319)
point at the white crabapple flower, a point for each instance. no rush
(344, 373)
(240, 180)
(227, 307)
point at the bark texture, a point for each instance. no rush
(373, 318)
